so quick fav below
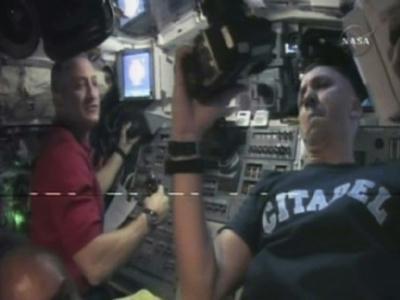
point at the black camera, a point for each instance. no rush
(233, 47)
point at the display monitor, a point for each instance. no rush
(136, 74)
(137, 19)
(131, 9)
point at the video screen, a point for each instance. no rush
(131, 9)
(137, 75)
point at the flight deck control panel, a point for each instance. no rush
(226, 184)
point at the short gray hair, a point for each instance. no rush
(59, 69)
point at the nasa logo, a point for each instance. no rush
(357, 40)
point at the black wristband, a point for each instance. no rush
(176, 149)
(122, 153)
(184, 166)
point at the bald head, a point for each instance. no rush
(30, 273)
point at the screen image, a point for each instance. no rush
(131, 9)
(137, 75)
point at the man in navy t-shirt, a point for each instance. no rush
(330, 231)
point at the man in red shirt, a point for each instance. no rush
(67, 211)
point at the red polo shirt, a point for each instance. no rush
(67, 211)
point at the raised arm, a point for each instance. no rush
(106, 175)
(203, 272)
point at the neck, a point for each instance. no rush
(329, 159)
(82, 137)
(80, 133)
(339, 153)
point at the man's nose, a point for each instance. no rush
(93, 91)
(310, 99)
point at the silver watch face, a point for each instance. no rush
(152, 217)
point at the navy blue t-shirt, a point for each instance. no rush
(325, 232)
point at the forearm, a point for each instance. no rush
(110, 250)
(106, 175)
(197, 267)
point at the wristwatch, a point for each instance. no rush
(183, 148)
(152, 217)
(119, 151)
